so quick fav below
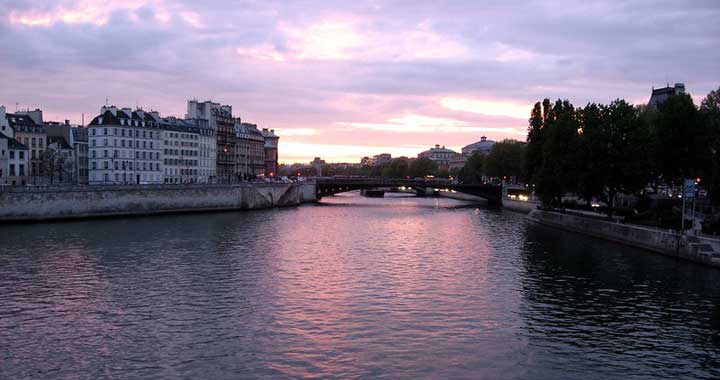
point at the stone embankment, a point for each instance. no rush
(23, 204)
(664, 242)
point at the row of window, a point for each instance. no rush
(125, 154)
(128, 133)
(181, 152)
(182, 143)
(188, 136)
(175, 161)
(123, 144)
(128, 165)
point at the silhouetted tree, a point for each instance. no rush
(506, 159)
(710, 111)
(397, 168)
(421, 167)
(681, 141)
(474, 169)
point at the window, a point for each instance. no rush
(12, 154)
(33, 142)
(93, 154)
(22, 169)
(93, 132)
(22, 155)
(151, 145)
(107, 177)
(117, 177)
(122, 132)
(105, 165)
(105, 142)
(94, 165)
(105, 132)
(32, 154)
(12, 169)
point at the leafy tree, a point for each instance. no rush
(681, 141)
(625, 161)
(421, 167)
(506, 159)
(710, 111)
(534, 143)
(591, 153)
(474, 169)
(397, 168)
(557, 173)
(442, 173)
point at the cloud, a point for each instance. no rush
(342, 73)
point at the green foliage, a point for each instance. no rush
(474, 169)
(507, 159)
(397, 168)
(681, 139)
(422, 167)
(710, 112)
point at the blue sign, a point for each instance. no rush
(689, 188)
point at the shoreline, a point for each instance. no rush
(34, 205)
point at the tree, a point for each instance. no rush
(474, 169)
(397, 168)
(710, 112)
(421, 167)
(506, 160)
(557, 172)
(590, 154)
(623, 135)
(681, 141)
(534, 143)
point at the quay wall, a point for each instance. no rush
(18, 204)
(667, 243)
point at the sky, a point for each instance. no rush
(346, 79)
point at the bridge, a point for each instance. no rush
(333, 185)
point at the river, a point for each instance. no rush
(350, 288)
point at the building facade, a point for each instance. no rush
(17, 163)
(34, 137)
(60, 161)
(79, 141)
(181, 151)
(250, 151)
(660, 95)
(125, 146)
(271, 152)
(201, 114)
(483, 146)
(440, 155)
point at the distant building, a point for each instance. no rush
(79, 141)
(5, 129)
(201, 114)
(483, 146)
(318, 164)
(271, 151)
(60, 163)
(382, 159)
(125, 147)
(660, 95)
(440, 155)
(33, 136)
(14, 161)
(250, 151)
(181, 147)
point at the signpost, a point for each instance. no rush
(688, 192)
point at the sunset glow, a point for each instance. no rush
(383, 75)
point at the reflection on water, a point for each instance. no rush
(352, 288)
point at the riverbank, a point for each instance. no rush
(24, 204)
(668, 243)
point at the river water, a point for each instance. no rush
(351, 288)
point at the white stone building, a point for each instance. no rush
(125, 147)
(201, 114)
(181, 151)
